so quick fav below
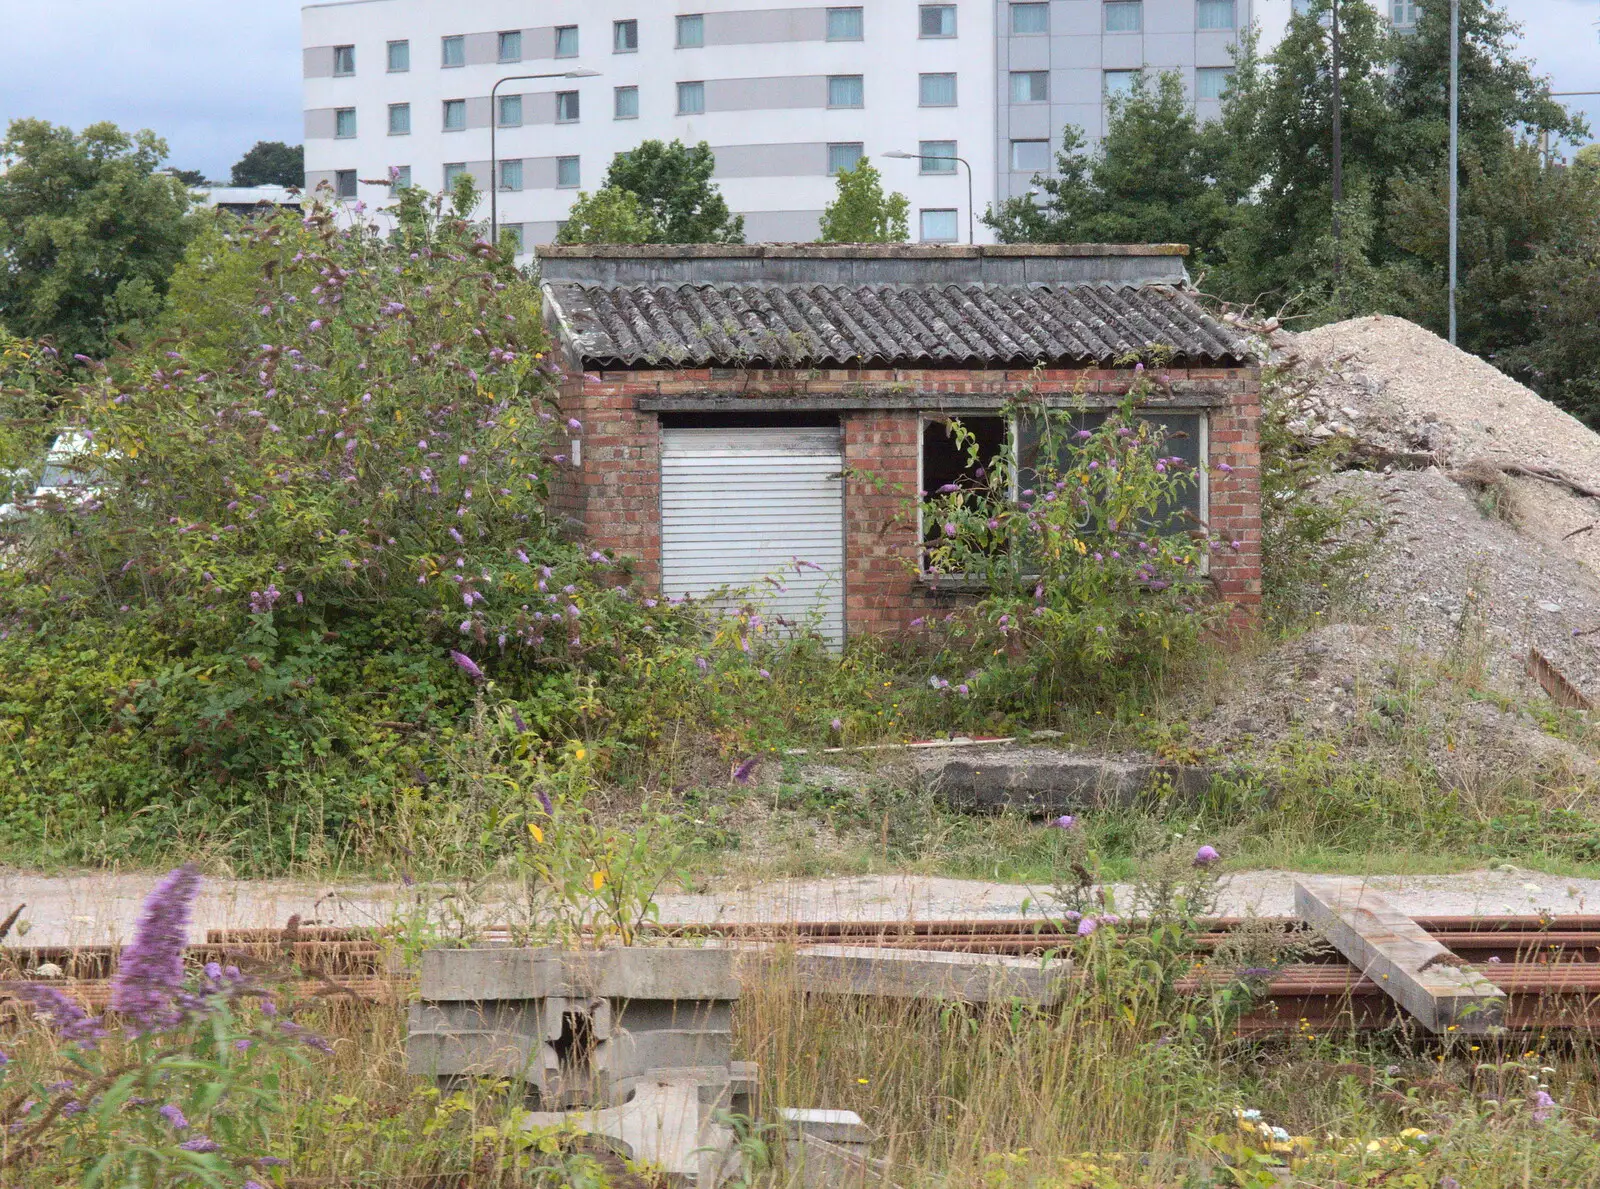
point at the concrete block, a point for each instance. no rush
(824, 1165)
(632, 973)
(1049, 780)
(930, 974)
(438, 1046)
(836, 1127)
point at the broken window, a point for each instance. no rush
(963, 457)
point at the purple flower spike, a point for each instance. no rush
(1087, 926)
(746, 770)
(837, 724)
(200, 1144)
(1065, 822)
(1206, 856)
(174, 1116)
(1544, 1107)
(466, 664)
(69, 1020)
(150, 973)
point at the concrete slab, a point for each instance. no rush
(1049, 780)
(930, 974)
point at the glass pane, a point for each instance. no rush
(938, 227)
(1030, 18)
(842, 157)
(400, 119)
(511, 175)
(512, 233)
(943, 154)
(455, 114)
(938, 90)
(399, 178)
(1124, 17)
(691, 99)
(567, 41)
(567, 172)
(1030, 86)
(627, 103)
(1120, 82)
(511, 47)
(344, 122)
(345, 183)
(566, 107)
(691, 32)
(1211, 81)
(845, 90)
(938, 20)
(844, 24)
(399, 55)
(452, 171)
(455, 51)
(1183, 441)
(1030, 156)
(510, 111)
(344, 59)
(625, 36)
(1216, 14)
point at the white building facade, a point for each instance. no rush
(785, 95)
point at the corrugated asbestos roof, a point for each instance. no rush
(798, 325)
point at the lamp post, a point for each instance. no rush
(494, 123)
(902, 155)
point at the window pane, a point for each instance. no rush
(845, 90)
(691, 32)
(691, 99)
(1120, 82)
(1211, 81)
(566, 107)
(567, 41)
(1030, 86)
(1030, 18)
(1184, 439)
(344, 122)
(843, 156)
(399, 55)
(938, 227)
(511, 46)
(511, 234)
(937, 90)
(399, 178)
(453, 51)
(943, 154)
(1215, 14)
(938, 20)
(1124, 17)
(399, 119)
(452, 171)
(626, 103)
(1403, 13)
(510, 111)
(844, 24)
(455, 115)
(624, 36)
(344, 59)
(1030, 156)
(511, 175)
(344, 183)
(567, 171)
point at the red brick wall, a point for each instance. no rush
(614, 498)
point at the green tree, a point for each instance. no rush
(271, 163)
(608, 216)
(89, 232)
(861, 213)
(673, 182)
(189, 177)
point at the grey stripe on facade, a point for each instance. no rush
(799, 159)
(315, 177)
(782, 227)
(763, 26)
(538, 173)
(321, 123)
(766, 94)
(481, 49)
(317, 61)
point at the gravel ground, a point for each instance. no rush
(90, 908)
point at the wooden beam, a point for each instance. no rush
(1422, 976)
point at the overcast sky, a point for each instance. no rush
(215, 76)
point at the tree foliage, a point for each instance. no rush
(608, 216)
(271, 163)
(861, 213)
(673, 183)
(89, 232)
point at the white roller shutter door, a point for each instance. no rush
(739, 506)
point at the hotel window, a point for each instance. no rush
(344, 123)
(936, 90)
(1120, 82)
(453, 170)
(845, 24)
(937, 227)
(399, 178)
(625, 103)
(566, 107)
(1030, 18)
(1402, 13)
(510, 111)
(845, 90)
(511, 175)
(624, 37)
(691, 99)
(511, 236)
(1030, 156)
(344, 60)
(938, 156)
(455, 115)
(1124, 17)
(1030, 86)
(1211, 81)
(344, 183)
(399, 57)
(399, 119)
(453, 51)
(568, 175)
(843, 157)
(691, 32)
(511, 46)
(936, 20)
(566, 41)
(1215, 14)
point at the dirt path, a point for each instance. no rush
(95, 908)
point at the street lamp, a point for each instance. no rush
(902, 155)
(494, 123)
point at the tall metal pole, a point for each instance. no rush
(1455, 148)
(494, 122)
(1338, 169)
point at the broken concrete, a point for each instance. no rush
(1051, 780)
(930, 974)
(830, 1149)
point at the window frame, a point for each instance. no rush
(1012, 165)
(339, 50)
(1233, 16)
(339, 176)
(1031, 75)
(616, 95)
(926, 158)
(1396, 7)
(508, 165)
(404, 46)
(566, 99)
(860, 81)
(400, 179)
(955, 224)
(339, 115)
(556, 49)
(460, 168)
(1135, 6)
(444, 115)
(500, 111)
(955, 88)
(1106, 91)
(577, 182)
(514, 231)
(700, 90)
(836, 145)
(922, 28)
(860, 14)
(681, 22)
(500, 45)
(1034, 5)
(457, 42)
(394, 109)
(1226, 72)
(631, 25)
